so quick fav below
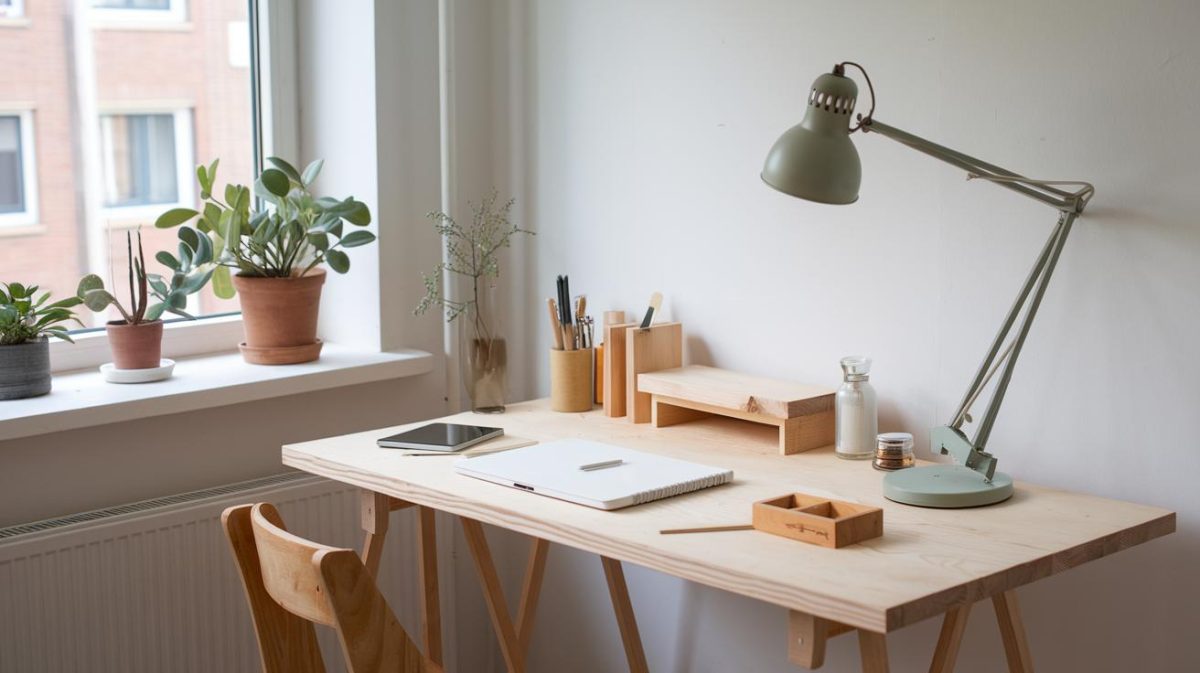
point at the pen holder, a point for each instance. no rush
(571, 380)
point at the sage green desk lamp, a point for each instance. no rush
(815, 160)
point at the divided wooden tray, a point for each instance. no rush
(820, 521)
(803, 413)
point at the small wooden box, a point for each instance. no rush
(829, 523)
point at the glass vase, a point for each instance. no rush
(484, 355)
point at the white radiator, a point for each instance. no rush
(152, 586)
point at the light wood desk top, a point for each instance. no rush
(927, 560)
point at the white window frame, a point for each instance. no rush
(279, 126)
(28, 217)
(185, 162)
(176, 13)
(16, 10)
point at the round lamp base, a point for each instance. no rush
(946, 487)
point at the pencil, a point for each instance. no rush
(554, 327)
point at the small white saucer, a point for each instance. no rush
(159, 373)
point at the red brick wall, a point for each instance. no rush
(134, 66)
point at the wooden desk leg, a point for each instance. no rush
(807, 636)
(493, 593)
(626, 620)
(530, 592)
(375, 510)
(431, 617)
(873, 649)
(946, 652)
(1012, 632)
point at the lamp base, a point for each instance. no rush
(946, 487)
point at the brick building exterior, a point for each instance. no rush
(170, 83)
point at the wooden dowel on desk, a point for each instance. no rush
(706, 529)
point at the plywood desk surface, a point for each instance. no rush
(926, 561)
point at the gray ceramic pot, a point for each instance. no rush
(25, 369)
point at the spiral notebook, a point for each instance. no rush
(559, 469)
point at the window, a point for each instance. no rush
(18, 176)
(146, 162)
(139, 11)
(12, 9)
(116, 121)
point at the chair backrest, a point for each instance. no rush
(291, 582)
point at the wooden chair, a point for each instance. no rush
(291, 583)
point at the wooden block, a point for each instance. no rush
(649, 350)
(614, 369)
(807, 636)
(829, 523)
(803, 413)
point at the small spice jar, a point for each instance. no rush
(893, 451)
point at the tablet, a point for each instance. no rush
(447, 437)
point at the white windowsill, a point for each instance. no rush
(83, 398)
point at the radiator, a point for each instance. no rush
(151, 586)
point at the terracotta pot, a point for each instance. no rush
(280, 318)
(135, 346)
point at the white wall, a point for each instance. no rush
(645, 128)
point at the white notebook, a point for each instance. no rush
(554, 469)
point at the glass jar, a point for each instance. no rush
(893, 451)
(857, 417)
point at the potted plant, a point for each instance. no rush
(26, 325)
(277, 254)
(136, 339)
(472, 253)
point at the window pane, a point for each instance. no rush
(158, 102)
(139, 159)
(133, 4)
(12, 188)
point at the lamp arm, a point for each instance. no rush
(950, 439)
(1045, 191)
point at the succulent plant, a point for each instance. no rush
(24, 318)
(189, 274)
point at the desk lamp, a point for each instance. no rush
(816, 160)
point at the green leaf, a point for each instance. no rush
(275, 181)
(185, 255)
(88, 283)
(41, 300)
(66, 303)
(194, 282)
(222, 283)
(189, 236)
(311, 172)
(17, 290)
(284, 166)
(155, 312)
(357, 238)
(357, 213)
(160, 288)
(324, 222)
(175, 217)
(319, 241)
(167, 259)
(98, 300)
(204, 254)
(338, 261)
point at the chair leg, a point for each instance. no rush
(946, 652)
(873, 649)
(493, 594)
(626, 621)
(431, 618)
(375, 510)
(1012, 632)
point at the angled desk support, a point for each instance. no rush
(514, 637)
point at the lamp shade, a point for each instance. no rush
(815, 159)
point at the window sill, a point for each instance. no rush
(84, 399)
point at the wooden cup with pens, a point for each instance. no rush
(571, 357)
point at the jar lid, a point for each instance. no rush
(894, 437)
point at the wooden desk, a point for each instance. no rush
(929, 562)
